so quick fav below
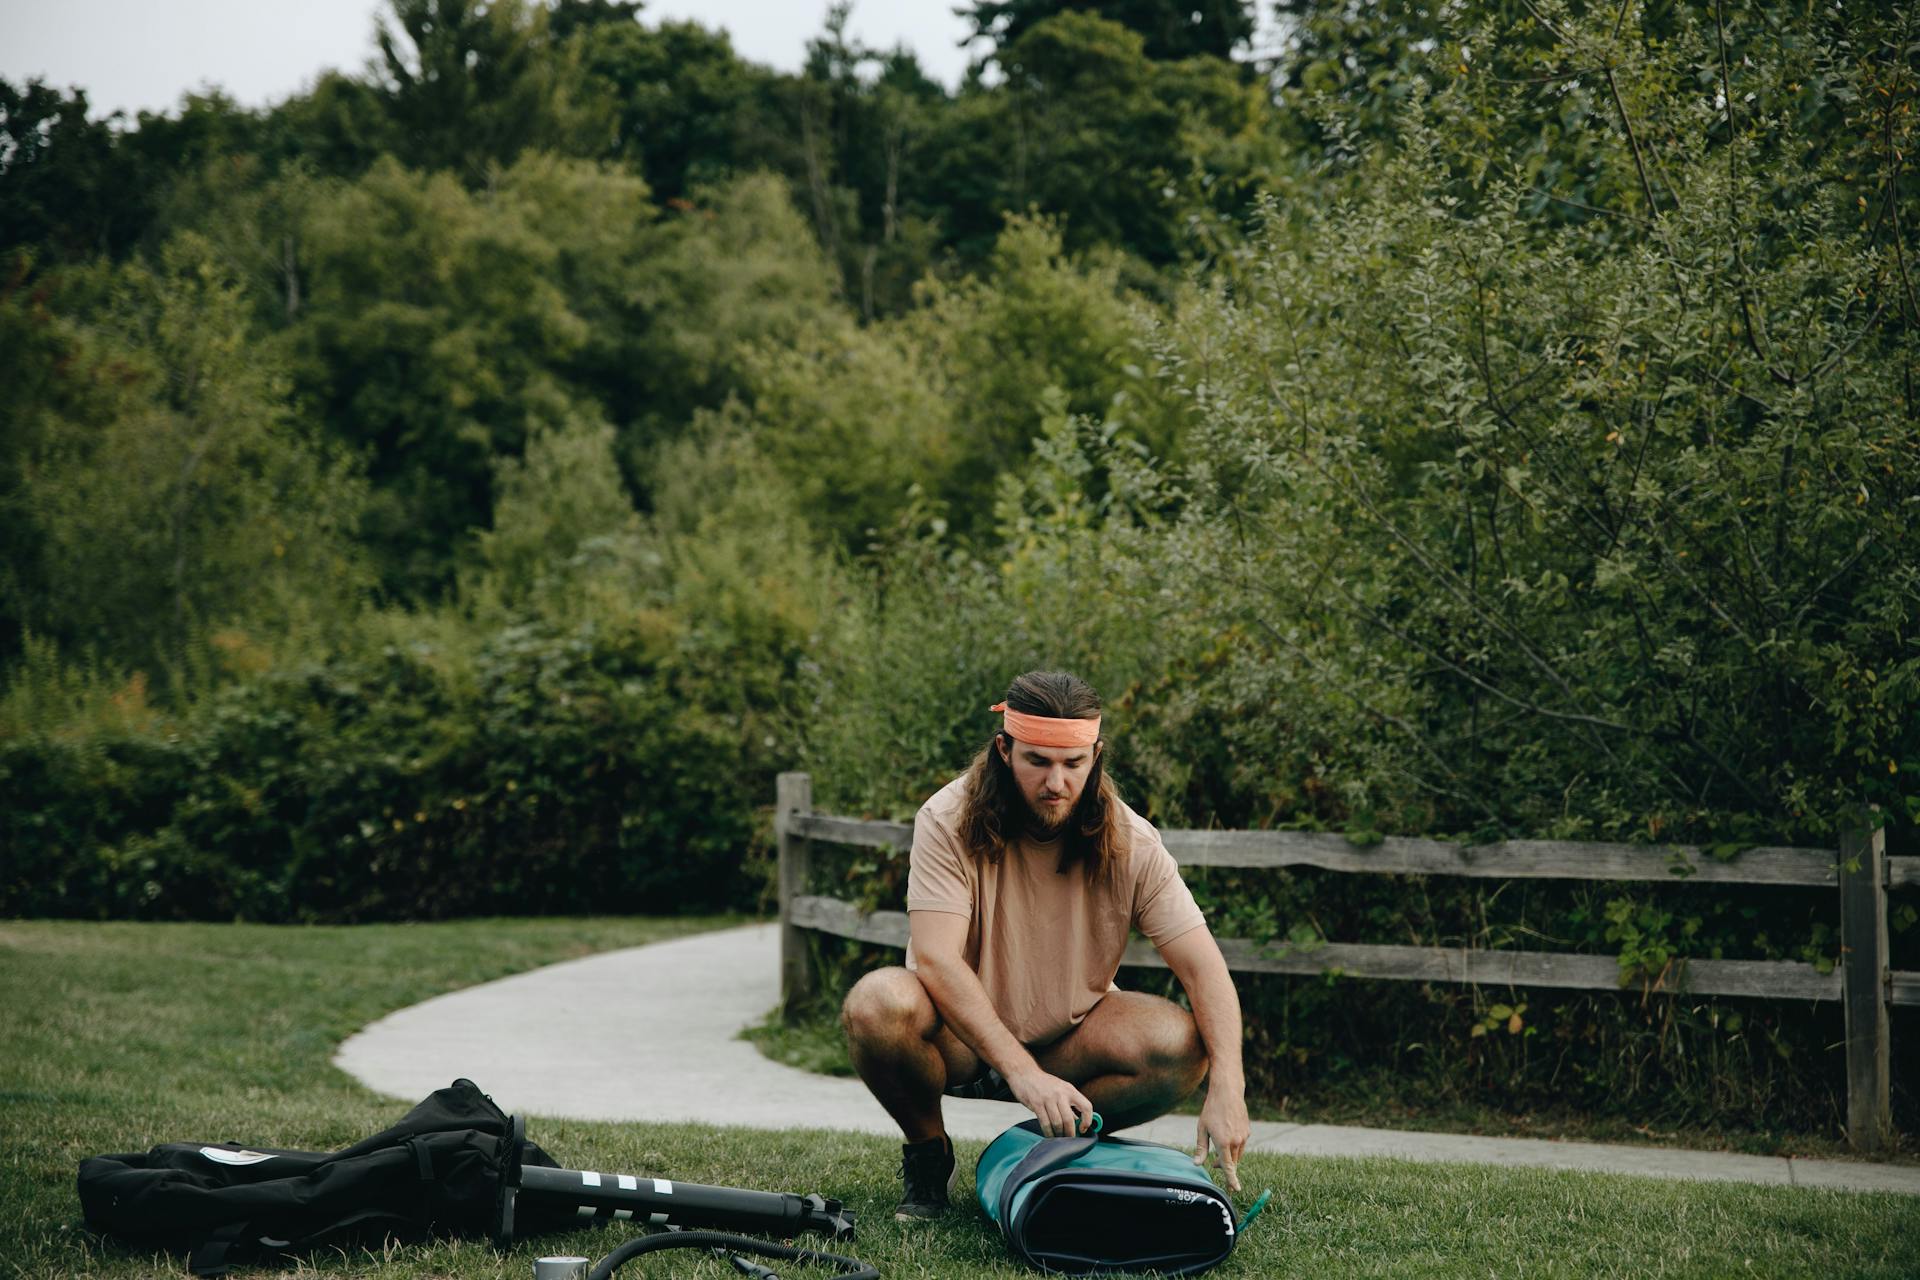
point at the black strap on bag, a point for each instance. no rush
(210, 1257)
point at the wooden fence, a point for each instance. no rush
(1861, 872)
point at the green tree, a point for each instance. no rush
(688, 111)
(338, 128)
(62, 178)
(737, 271)
(565, 17)
(1171, 29)
(161, 489)
(864, 116)
(854, 417)
(561, 514)
(942, 401)
(471, 84)
(437, 328)
(1129, 150)
(1035, 322)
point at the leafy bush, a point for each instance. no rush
(543, 771)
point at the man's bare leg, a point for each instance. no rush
(1135, 1056)
(903, 1051)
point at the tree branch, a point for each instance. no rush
(1755, 338)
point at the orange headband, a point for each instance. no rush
(1045, 731)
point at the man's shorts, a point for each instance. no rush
(988, 1084)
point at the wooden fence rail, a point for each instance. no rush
(1860, 873)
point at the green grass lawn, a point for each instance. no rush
(120, 1036)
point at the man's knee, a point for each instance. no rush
(887, 1004)
(1174, 1047)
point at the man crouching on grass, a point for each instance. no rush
(1027, 873)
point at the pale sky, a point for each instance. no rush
(134, 55)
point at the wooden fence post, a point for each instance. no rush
(793, 797)
(1863, 987)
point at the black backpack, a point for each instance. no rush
(437, 1172)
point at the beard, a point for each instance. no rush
(1046, 824)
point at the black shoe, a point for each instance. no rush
(929, 1172)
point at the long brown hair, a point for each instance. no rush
(995, 814)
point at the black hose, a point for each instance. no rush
(850, 1268)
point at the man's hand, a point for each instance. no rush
(1223, 1121)
(1053, 1102)
(1196, 961)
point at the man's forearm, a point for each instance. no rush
(1216, 1014)
(956, 992)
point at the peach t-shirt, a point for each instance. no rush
(1045, 945)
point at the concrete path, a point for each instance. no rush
(650, 1033)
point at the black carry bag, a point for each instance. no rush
(437, 1172)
